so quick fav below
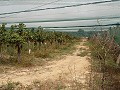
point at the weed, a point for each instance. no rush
(10, 86)
(83, 54)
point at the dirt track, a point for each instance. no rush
(71, 66)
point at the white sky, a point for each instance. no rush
(90, 11)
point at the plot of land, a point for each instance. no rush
(71, 66)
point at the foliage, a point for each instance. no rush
(104, 72)
(18, 40)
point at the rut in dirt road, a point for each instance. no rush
(71, 66)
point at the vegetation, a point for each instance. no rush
(105, 69)
(21, 45)
(25, 46)
(61, 84)
(83, 52)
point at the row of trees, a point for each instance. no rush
(105, 52)
(17, 36)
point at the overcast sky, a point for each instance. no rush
(89, 11)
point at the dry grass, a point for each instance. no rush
(37, 57)
(62, 83)
(83, 54)
(105, 72)
(71, 79)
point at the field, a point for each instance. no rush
(44, 60)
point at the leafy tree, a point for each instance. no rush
(40, 36)
(16, 40)
(21, 28)
(81, 32)
(2, 36)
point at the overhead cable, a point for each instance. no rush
(35, 7)
(92, 3)
(86, 26)
(65, 20)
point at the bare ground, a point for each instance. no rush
(70, 67)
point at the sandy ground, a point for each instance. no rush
(71, 66)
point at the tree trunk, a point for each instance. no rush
(40, 43)
(19, 52)
(0, 50)
(118, 60)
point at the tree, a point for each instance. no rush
(2, 36)
(40, 36)
(29, 37)
(21, 27)
(16, 40)
(81, 32)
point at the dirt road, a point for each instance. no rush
(71, 66)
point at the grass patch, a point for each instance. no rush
(87, 43)
(38, 57)
(83, 54)
(39, 54)
(81, 49)
(63, 50)
(36, 85)
(59, 84)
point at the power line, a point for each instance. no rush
(99, 2)
(62, 29)
(46, 4)
(85, 26)
(55, 14)
(63, 20)
(65, 29)
(35, 7)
